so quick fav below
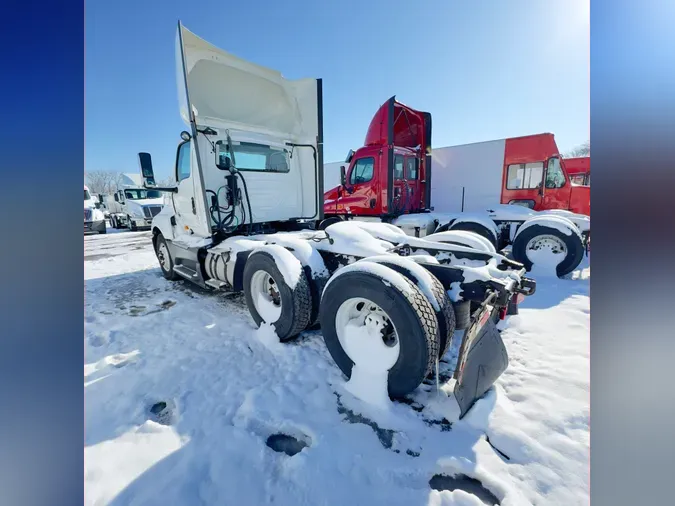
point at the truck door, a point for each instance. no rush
(412, 178)
(401, 200)
(523, 184)
(188, 200)
(556, 188)
(360, 195)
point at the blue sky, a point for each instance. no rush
(485, 70)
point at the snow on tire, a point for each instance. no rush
(395, 299)
(432, 288)
(271, 300)
(463, 238)
(477, 228)
(539, 237)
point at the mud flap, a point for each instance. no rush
(482, 359)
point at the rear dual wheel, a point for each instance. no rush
(397, 320)
(530, 243)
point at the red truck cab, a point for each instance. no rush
(536, 175)
(579, 169)
(388, 176)
(391, 174)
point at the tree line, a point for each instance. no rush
(103, 181)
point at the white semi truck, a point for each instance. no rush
(94, 220)
(244, 216)
(134, 208)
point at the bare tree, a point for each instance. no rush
(167, 182)
(583, 149)
(103, 181)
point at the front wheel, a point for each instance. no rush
(537, 241)
(271, 300)
(164, 257)
(130, 224)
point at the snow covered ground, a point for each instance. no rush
(184, 399)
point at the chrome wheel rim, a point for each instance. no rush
(266, 296)
(358, 319)
(163, 257)
(547, 242)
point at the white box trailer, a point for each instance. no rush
(467, 178)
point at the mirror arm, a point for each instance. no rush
(170, 189)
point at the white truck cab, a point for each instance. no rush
(94, 220)
(135, 208)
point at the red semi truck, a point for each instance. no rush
(492, 188)
(579, 169)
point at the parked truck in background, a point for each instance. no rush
(134, 208)
(511, 191)
(94, 220)
(579, 169)
(249, 176)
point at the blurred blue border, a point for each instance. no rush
(632, 341)
(41, 315)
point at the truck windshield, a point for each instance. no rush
(142, 194)
(256, 157)
(86, 195)
(555, 177)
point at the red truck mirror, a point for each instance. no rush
(343, 175)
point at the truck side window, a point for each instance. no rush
(555, 177)
(362, 171)
(411, 169)
(522, 176)
(183, 162)
(398, 167)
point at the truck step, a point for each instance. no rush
(215, 283)
(186, 272)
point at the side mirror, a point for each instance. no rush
(350, 155)
(223, 161)
(148, 175)
(185, 136)
(343, 175)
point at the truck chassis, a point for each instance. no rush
(295, 280)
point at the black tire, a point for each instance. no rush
(112, 222)
(411, 314)
(130, 224)
(445, 317)
(104, 229)
(169, 274)
(316, 286)
(328, 222)
(575, 248)
(296, 303)
(476, 228)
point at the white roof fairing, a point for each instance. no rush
(226, 91)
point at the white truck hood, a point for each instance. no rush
(145, 202)
(228, 92)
